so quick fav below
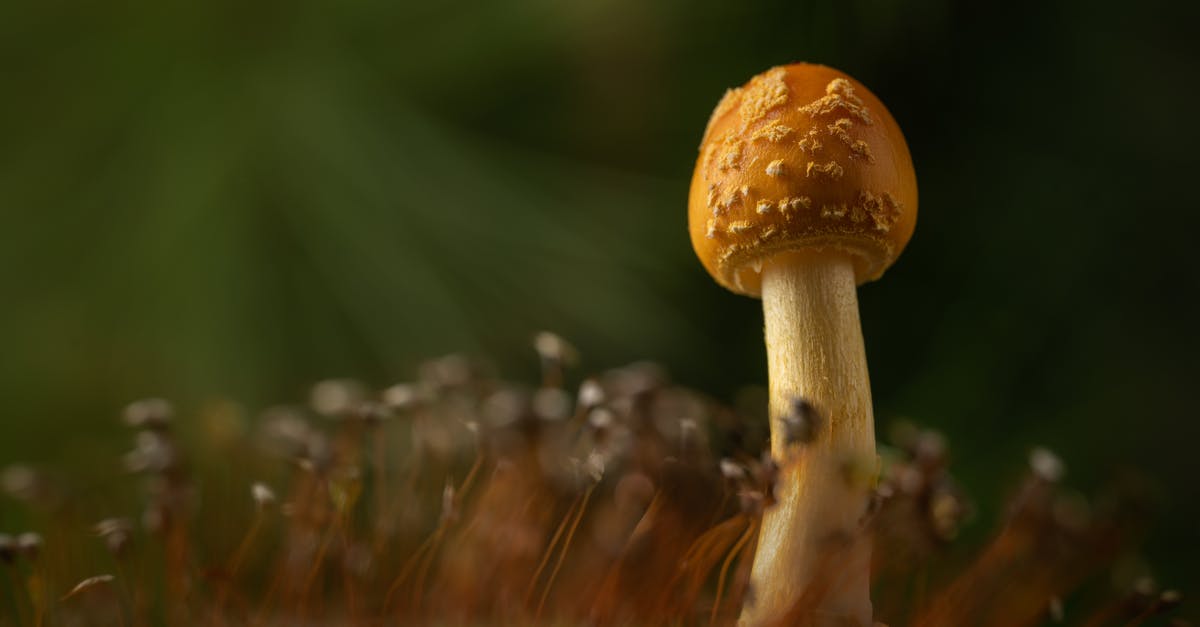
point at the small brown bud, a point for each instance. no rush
(20, 481)
(29, 545)
(732, 470)
(149, 413)
(1170, 599)
(594, 466)
(590, 394)
(337, 397)
(1046, 465)
(802, 423)
(552, 348)
(929, 450)
(404, 397)
(116, 534)
(262, 494)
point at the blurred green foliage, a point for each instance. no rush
(232, 200)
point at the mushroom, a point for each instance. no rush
(803, 190)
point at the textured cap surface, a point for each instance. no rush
(801, 158)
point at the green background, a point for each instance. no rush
(230, 200)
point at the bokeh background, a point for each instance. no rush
(229, 201)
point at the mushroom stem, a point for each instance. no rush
(812, 566)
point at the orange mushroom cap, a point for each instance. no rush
(801, 158)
